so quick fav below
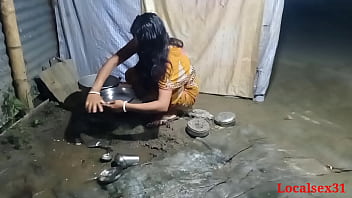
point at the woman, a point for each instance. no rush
(163, 76)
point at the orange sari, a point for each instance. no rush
(181, 78)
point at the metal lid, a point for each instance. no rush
(198, 127)
(200, 113)
(225, 118)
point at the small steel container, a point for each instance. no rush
(225, 119)
(125, 161)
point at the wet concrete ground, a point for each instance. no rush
(307, 115)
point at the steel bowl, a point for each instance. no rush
(86, 82)
(122, 92)
(225, 119)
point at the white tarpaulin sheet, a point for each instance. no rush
(221, 37)
(90, 31)
(268, 43)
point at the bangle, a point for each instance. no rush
(94, 92)
(124, 106)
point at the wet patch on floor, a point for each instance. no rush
(39, 160)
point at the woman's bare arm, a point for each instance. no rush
(94, 101)
(159, 105)
(122, 55)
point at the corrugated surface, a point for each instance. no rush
(5, 77)
(38, 33)
(39, 40)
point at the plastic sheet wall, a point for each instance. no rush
(272, 16)
(91, 32)
(230, 43)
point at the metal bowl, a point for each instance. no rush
(122, 92)
(225, 119)
(87, 82)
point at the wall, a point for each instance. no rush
(38, 33)
(6, 80)
(37, 29)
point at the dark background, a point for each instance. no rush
(317, 31)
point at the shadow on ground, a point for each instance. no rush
(108, 125)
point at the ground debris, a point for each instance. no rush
(242, 193)
(156, 145)
(3, 171)
(338, 170)
(215, 185)
(200, 113)
(288, 117)
(36, 123)
(19, 141)
(234, 155)
(249, 172)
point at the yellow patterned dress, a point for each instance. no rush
(181, 78)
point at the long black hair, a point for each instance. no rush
(153, 40)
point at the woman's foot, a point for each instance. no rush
(163, 121)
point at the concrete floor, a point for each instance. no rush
(311, 83)
(312, 77)
(307, 112)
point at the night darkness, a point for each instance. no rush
(316, 30)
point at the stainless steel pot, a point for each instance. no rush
(122, 92)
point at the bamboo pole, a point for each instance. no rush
(14, 49)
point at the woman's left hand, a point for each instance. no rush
(115, 105)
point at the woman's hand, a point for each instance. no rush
(116, 105)
(94, 102)
(158, 106)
